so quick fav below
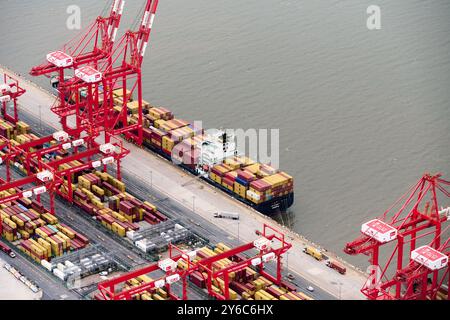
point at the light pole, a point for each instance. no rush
(151, 178)
(287, 262)
(40, 119)
(339, 284)
(238, 231)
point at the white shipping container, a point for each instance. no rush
(61, 275)
(47, 265)
(131, 235)
(178, 227)
(61, 267)
(69, 264)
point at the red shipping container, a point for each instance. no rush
(148, 208)
(147, 133)
(228, 181)
(260, 185)
(135, 202)
(39, 207)
(111, 188)
(23, 202)
(246, 176)
(160, 216)
(288, 286)
(150, 216)
(82, 238)
(238, 287)
(197, 278)
(202, 255)
(273, 292)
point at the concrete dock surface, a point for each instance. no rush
(204, 200)
(12, 288)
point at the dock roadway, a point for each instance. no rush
(204, 200)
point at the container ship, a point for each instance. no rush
(211, 155)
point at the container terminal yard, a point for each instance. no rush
(88, 212)
(178, 204)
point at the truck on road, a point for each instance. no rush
(336, 266)
(227, 215)
(7, 250)
(313, 252)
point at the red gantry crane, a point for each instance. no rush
(48, 175)
(416, 268)
(10, 91)
(97, 110)
(269, 247)
(90, 47)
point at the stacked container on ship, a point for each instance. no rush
(213, 155)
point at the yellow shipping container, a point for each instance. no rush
(304, 296)
(263, 295)
(223, 247)
(41, 233)
(64, 238)
(119, 92)
(240, 190)
(144, 278)
(49, 218)
(118, 216)
(97, 190)
(182, 264)
(162, 293)
(254, 168)
(215, 177)
(11, 223)
(146, 296)
(68, 233)
(25, 235)
(119, 229)
(234, 164)
(64, 243)
(16, 221)
(46, 245)
(157, 124)
(157, 297)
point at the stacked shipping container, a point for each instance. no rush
(162, 133)
(245, 284)
(41, 236)
(103, 196)
(252, 181)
